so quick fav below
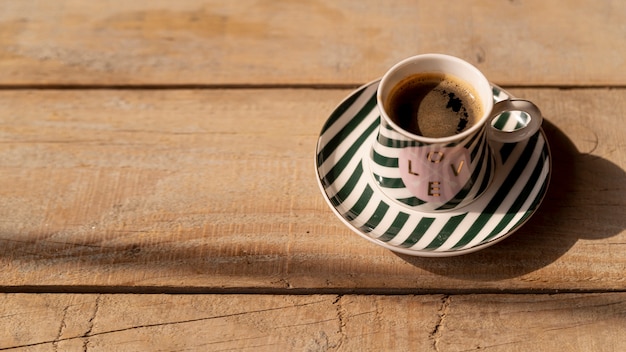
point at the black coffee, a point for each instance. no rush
(434, 105)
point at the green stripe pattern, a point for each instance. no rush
(351, 170)
(385, 162)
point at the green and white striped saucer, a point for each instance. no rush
(522, 174)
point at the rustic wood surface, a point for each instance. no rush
(268, 42)
(123, 188)
(158, 188)
(500, 322)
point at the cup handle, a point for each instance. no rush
(528, 127)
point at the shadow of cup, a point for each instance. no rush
(582, 202)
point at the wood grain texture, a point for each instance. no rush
(269, 42)
(117, 176)
(215, 189)
(571, 322)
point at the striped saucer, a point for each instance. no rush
(522, 174)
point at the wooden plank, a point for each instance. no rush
(572, 322)
(118, 42)
(533, 322)
(203, 190)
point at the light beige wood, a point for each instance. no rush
(201, 190)
(62, 322)
(215, 42)
(211, 192)
(593, 322)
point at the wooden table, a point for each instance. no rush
(158, 190)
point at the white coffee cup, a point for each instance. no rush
(443, 173)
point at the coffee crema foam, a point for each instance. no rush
(434, 105)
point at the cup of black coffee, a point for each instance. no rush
(433, 142)
(433, 105)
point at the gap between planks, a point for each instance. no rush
(320, 86)
(79, 289)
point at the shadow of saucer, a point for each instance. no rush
(582, 202)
